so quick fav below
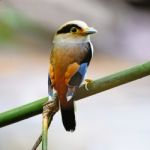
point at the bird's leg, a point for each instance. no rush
(87, 81)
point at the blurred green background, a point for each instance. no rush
(117, 119)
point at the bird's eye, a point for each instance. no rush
(73, 29)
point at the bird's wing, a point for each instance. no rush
(77, 78)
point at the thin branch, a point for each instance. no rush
(49, 110)
(39, 140)
(37, 143)
(44, 132)
(97, 86)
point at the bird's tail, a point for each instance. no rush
(68, 116)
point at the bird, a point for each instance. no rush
(70, 56)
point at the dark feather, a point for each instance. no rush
(88, 56)
(68, 117)
(50, 87)
(67, 28)
(77, 79)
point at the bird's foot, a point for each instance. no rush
(87, 81)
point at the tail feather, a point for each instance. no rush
(68, 117)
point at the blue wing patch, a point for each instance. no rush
(76, 80)
(50, 87)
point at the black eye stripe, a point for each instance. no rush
(66, 29)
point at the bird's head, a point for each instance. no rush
(74, 32)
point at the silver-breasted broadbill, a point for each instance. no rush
(69, 59)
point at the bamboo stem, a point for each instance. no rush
(97, 86)
(44, 131)
(49, 109)
(38, 141)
